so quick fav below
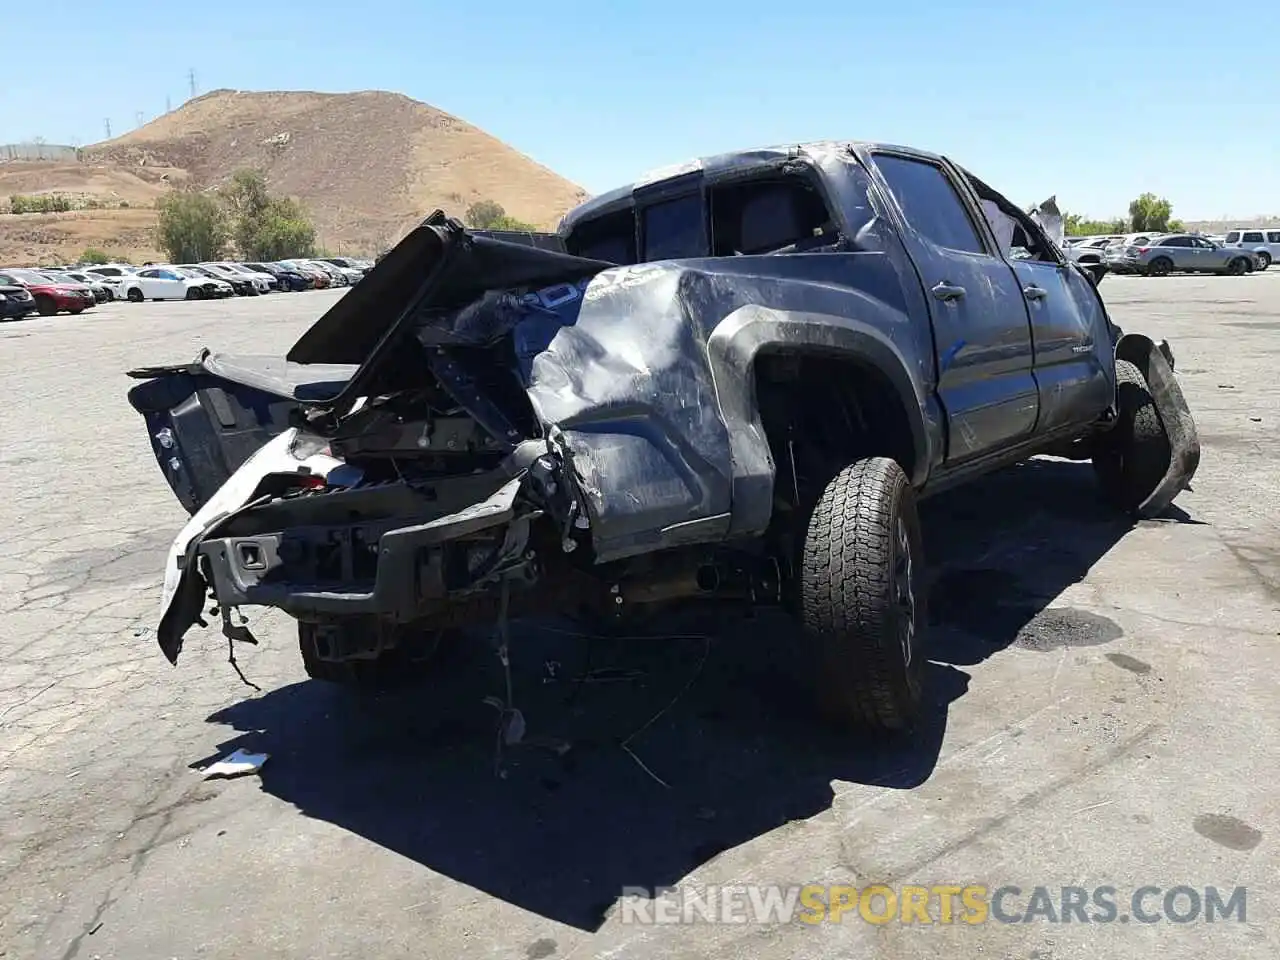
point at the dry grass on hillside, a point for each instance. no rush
(365, 165)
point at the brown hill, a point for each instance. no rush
(365, 165)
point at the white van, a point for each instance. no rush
(1263, 241)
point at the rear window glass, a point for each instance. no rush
(1233, 236)
(768, 216)
(611, 238)
(1253, 237)
(674, 229)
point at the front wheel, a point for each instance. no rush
(134, 295)
(862, 597)
(1133, 456)
(1238, 267)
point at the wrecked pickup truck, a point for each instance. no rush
(731, 381)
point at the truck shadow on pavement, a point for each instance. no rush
(560, 824)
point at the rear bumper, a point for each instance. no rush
(16, 309)
(400, 574)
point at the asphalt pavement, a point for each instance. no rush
(1102, 712)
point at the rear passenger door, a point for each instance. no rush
(982, 332)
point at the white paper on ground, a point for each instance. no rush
(238, 764)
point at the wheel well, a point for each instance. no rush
(820, 413)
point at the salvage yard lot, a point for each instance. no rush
(1104, 712)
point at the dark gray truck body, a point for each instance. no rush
(489, 390)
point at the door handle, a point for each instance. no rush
(947, 292)
(1034, 293)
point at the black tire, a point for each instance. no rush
(1133, 456)
(1160, 267)
(194, 293)
(75, 311)
(1264, 260)
(1238, 267)
(862, 598)
(134, 295)
(393, 669)
(45, 306)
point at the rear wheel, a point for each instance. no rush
(416, 656)
(1133, 456)
(45, 306)
(75, 311)
(861, 596)
(1264, 260)
(1160, 267)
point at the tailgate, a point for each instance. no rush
(202, 427)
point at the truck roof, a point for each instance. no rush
(723, 164)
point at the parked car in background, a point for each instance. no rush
(319, 278)
(102, 291)
(287, 279)
(239, 285)
(214, 287)
(1113, 253)
(243, 284)
(166, 282)
(16, 301)
(262, 282)
(1185, 252)
(337, 277)
(53, 296)
(1262, 242)
(111, 271)
(353, 268)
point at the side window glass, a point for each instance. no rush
(611, 238)
(1273, 236)
(930, 203)
(1233, 237)
(784, 215)
(1253, 238)
(674, 228)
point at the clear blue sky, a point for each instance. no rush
(1095, 101)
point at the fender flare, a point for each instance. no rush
(732, 349)
(1155, 361)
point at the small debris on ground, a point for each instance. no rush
(236, 765)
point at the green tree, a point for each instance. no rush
(94, 255)
(488, 215)
(1150, 212)
(266, 227)
(192, 227)
(1079, 225)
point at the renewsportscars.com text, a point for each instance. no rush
(971, 904)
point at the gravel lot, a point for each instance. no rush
(1104, 712)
